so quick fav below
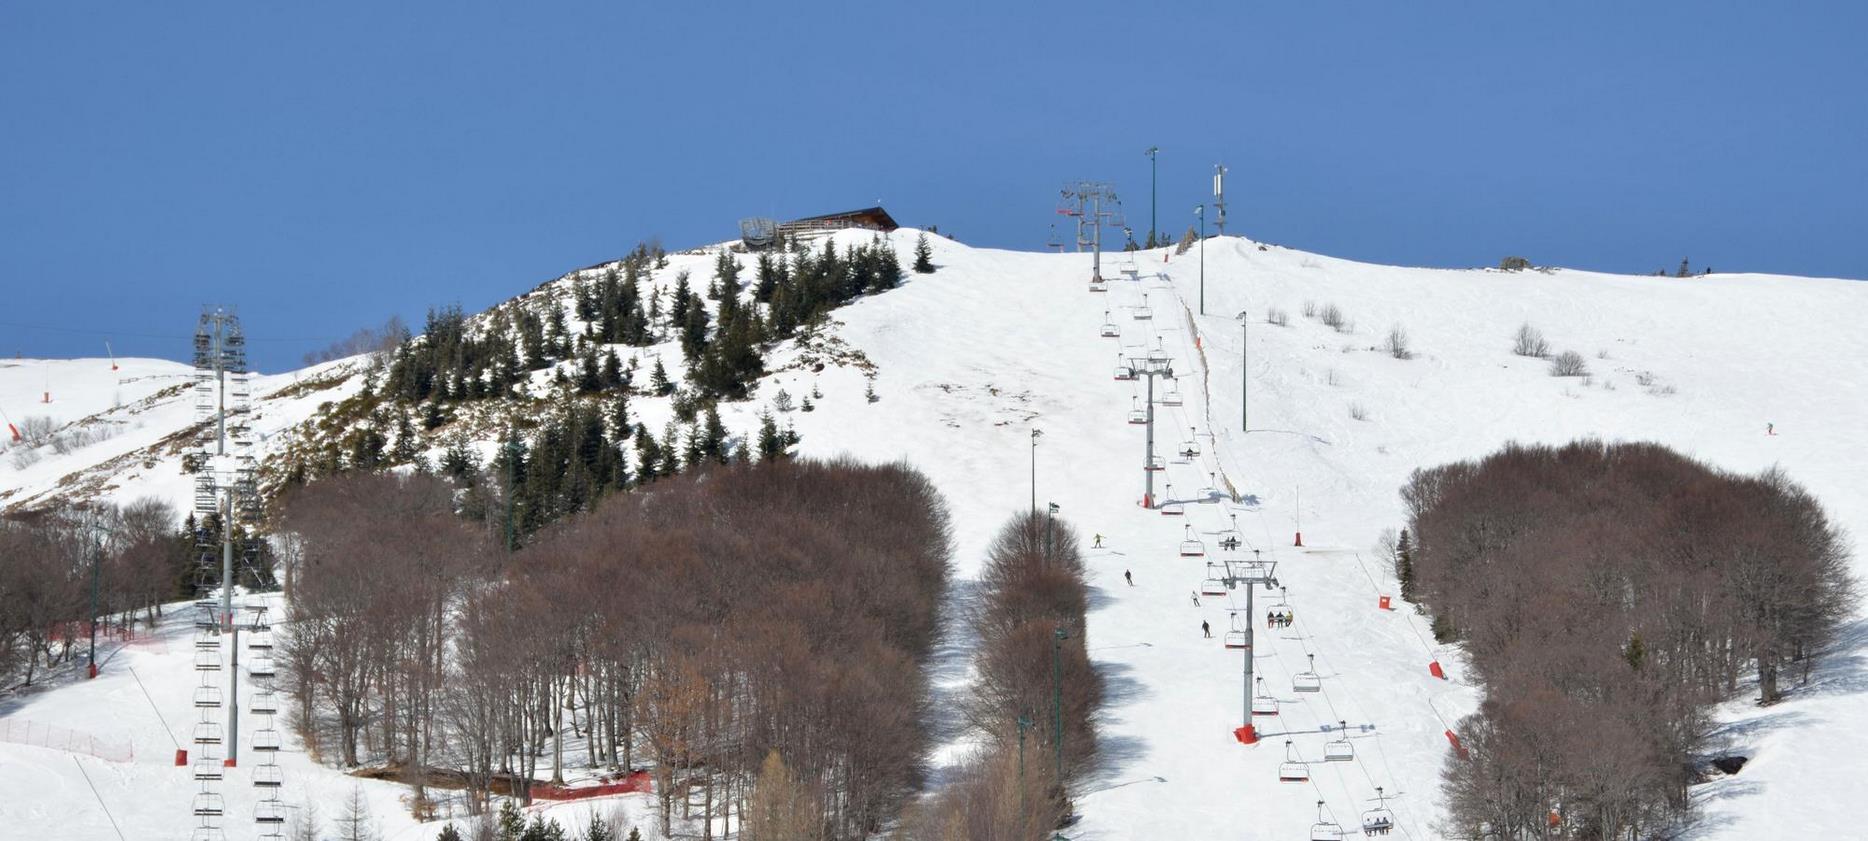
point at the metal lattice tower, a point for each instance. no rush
(1219, 197)
(1095, 206)
(227, 517)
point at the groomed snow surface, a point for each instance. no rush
(996, 343)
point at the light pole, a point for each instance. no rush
(1057, 701)
(1152, 241)
(1200, 211)
(1245, 357)
(1035, 433)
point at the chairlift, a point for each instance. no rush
(1127, 266)
(266, 739)
(207, 833)
(1144, 312)
(1235, 638)
(210, 805)
(1379, 820)
(1190, 545)
(1171, 396)
(268, 776)
(1214, 584)
(207, 660)
(1158, 354)
(1137, 415)
(1155, 463)
(209, 769)
(205, 619)
(1307, 680)
(259, 624)
(1262, 702)
(264, 702)
(1125, 371)
(260, 642)
(1339, 749)
(207, 733)
(1283, 615)
(1110, 330)
(262, 667)
(1098, 284)
(207, 639)
(269, 812)
(1171, 507)
(207, 697)
(1292, 769)
(1325, 829)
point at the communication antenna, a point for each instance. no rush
(1219, 197)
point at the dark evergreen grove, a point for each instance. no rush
(1608, 595)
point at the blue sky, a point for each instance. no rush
(322, 166)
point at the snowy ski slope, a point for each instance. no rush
(996, 343)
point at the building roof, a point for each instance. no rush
(877, 215)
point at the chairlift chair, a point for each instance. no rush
(207, 660)
(207, 697)
(1190, 545)
(210, 805)
(207, 833)
(1137, 415)
(1143, 312)
(205, 620)
(209, 769)
(1098, 284)
(264, 702)
(266, 740)
(260, 642)
(1214, 584)
(1339, 749)
(269, 812)
(1125, 371)
(1379, 820)
(1155, 463)
(262, 667)
(1262, 702)
(1307, 680)
(207, 639)
(1171, 396)
(1171, 507)
(1192, 445)
(1110, 330)
(1325, 829)
(1292, 769)
(207, 733)
(1284, 615)
(1235, 638)
(1158, 353)
(268, 776)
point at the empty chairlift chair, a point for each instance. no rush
(206, 639)
(1124, 371)
(1307, 680)
(1098, 284)
(1325, 829)
(1171, 396)
(1339, 749)
(268, 776)
(208, 660)
(1158, 354)
(269, 812)
(1190, 545)
(207, 697)
(262, 668)
(1109, 329)
(1127, 267)
(207, 733)
(207, 833)
(260, 642)
(209, 769)
(264, 702)
(1262, 702)
(1213, 584)
(1379, 820)
(266, 740)
(1156, 463)
(1293, 769)
(1144, 312)
(1171, 507)
(1235, 638)
(210, 805)
(1137, 415)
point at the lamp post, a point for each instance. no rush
(1152, 235)
(1245, 351)
(1057, 701)
(1035, 433)
(1200, 211)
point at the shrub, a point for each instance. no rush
(1569, 364)
(1277, 316)
(1310, 309)
(1397, 344)
(1332, 316)
(1358, 411)
(1514, 264)
(1530, 342)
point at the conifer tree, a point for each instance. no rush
(924, 256)
(659, 383)
(771, 441)
(619, 416)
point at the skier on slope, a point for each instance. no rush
(1099, 542)
(1129, 578)
(1206, 629)
(1196, 598)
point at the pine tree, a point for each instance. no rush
(771, 442)
(589, 379)
(612, 375)
(1404, 565)
(924, 256)
(694, 333)
(598, 829)
(449, 833)
(634, 835)
(511, 822)
(432, 416)
(659, 384)
(619, 417)
(713, 437)
(406, 444)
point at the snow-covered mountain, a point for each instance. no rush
(969, 359)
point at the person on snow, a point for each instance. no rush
(1206, 629)
(1129, 578)
(1196, 598)
(1099, 542)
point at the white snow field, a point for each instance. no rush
(996, 343)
